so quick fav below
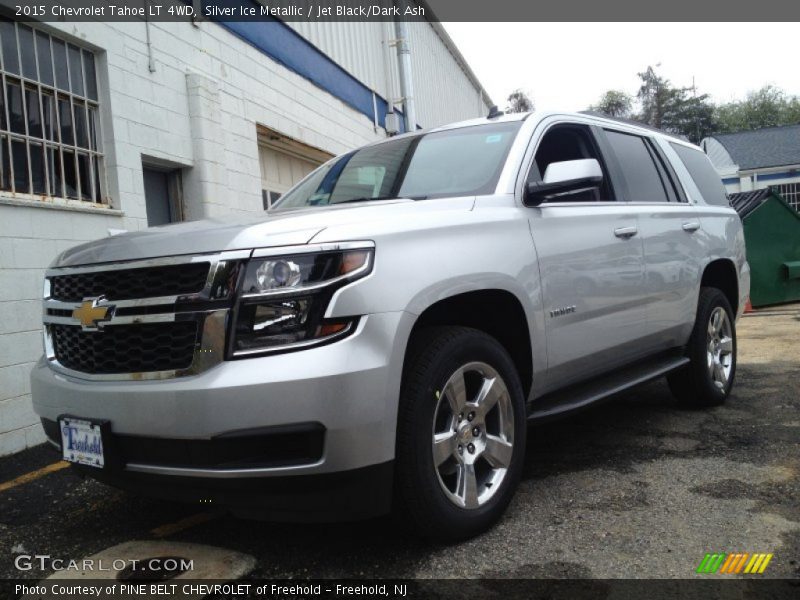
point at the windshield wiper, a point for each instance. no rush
(368, 199)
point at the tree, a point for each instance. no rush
(767, 107)
(657, 98)
(519, 101)
(614, 103)
(673, 109)
(680, 110)
(692, 116)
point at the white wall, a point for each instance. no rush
(443, 91)
(29, 239)
(198, 111)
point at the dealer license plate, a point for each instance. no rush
(82, 442)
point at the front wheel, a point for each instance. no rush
(708, 378)
(461, 433)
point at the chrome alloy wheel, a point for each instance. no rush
(473, 435)
(720, 347)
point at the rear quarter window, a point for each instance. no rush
(641, 174)
(705, 176)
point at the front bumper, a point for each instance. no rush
(350, 388)
(344, 496)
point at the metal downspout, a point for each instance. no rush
(406, 79)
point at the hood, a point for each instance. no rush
(239, 232)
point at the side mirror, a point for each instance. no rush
(563, 178)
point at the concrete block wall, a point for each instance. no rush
(198, 111)
(30, 237)
(194, 104)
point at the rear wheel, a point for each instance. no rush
(461, 433)
(707, 380)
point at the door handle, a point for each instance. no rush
(626, 232)
(691, 226)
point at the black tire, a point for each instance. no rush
(693, 385)
(434, 355)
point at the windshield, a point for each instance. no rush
(457, 162)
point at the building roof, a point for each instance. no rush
(760, 148)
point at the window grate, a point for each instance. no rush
(49, 125)
(789, 192)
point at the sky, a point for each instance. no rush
(568, 66)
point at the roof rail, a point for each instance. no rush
(597, 113)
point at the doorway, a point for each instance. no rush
(162, 194)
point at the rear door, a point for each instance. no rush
(671, 232)
(591, 262)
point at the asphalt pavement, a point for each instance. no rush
(635, 488)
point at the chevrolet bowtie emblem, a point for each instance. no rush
(91, 315)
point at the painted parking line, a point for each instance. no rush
(33, 475)
(190, 521)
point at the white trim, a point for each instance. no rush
(777, 169)
(53, 203)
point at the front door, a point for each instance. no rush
(591, 262)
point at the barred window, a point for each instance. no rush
(789, 192)
(48, 116)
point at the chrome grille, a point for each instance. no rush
(121, 284)
(147, 319)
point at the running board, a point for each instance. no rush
(585, 394)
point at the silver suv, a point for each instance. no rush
(382, 336)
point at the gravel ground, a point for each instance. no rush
(634, 488)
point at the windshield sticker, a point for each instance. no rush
(493, 139)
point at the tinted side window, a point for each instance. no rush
(641, 174)
(703, 173)
(667, 174)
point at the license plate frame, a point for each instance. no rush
(84, 441)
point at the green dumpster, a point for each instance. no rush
(772, 234)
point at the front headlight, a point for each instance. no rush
(282, 299)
